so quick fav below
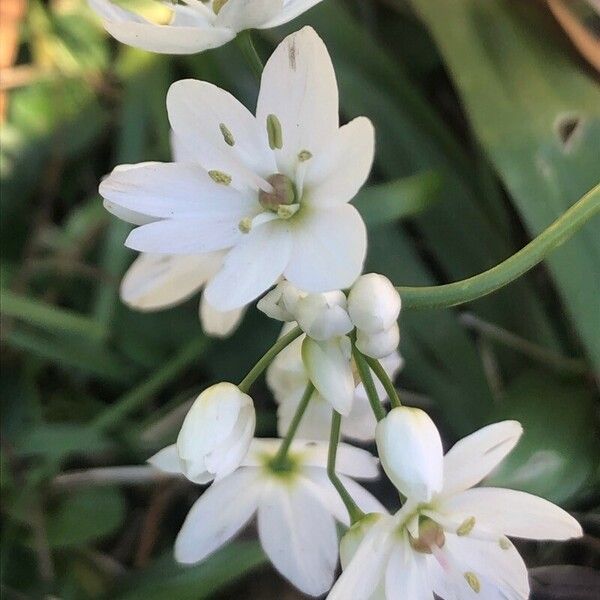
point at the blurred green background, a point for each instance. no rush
(488, 129)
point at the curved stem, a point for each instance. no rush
(367, 379)
(386, 382)
(485, 283)
(268, 357)
(246, 45)
(355, 513)
(280, 457)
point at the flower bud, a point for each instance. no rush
(280, 302)
(378, 345)
(323, 316)
(373, 303)
(410, 450)
(216, 433)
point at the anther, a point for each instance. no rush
(473, 581)
(274, 133)
(245, 225)
(220, 177)
(285, 211)
(466, 526)
(227, 135)
(304, 155)
(218, 5)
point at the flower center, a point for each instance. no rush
(283, 196)
(430, 534)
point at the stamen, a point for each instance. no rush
(227, 135)
(473, 581)
(504, 543)
(304, 155)
(466, 526)
(274, 132)
(220, 177)
(285, 211)
(245, 225)
(218, 5)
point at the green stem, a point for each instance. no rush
(355, 513)
(266, 360)
(485, 283)
(246, 45)
(386, 382)
(367, 379)
(281, 456)
(137, 396)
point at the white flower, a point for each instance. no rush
(194, 25)
(296, 510)
(373, 303)
(271, 191)
(455, 544)
(287, 378)
(215, 435)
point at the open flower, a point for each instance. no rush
(272, 190)
(196, 26)
(449, 538)
(296, 507)
(215, 435)
(287, 378)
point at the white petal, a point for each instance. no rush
(247, 14)
(335, 175)
(410, 450)
(167, 460)
(221, 511)
(173, 190)
(323, 316)
(298, 86)
(299, 536)
(329, 249)
(513, 513)
(378, 345)
(252, 267)
(291, 9)
(476, 455)
(198, 111)
(406, 575)
(156, 281)
(217, 323)
(330, 371)
(366, 570)
(185, 236)
(129, 216)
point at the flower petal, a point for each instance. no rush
(252, 267)
(406, 574)
(291, 9)
(476, 455)
(206, 120)
(185, 236)
(329, 249)
(410, 450)
(218, 323)
(299, 536)
(156, 281)
(335, 175)
(330, 371)
(298, 86)
(247, 14)
(221, 511)
(167, 460)
(173, 190)
(513, 513)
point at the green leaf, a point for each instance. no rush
(167, 579)
(537, 115)
(558, 453)
(85, 516)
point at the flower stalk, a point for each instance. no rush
(355, 513)
(386, 382)
(367, 379)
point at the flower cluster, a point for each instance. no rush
(257, 206)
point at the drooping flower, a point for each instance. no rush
(196, 26)
(296, 508)
(271, 191)
(449, 538)
(215, 435)
(287, 378)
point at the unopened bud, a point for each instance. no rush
(378, 345)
